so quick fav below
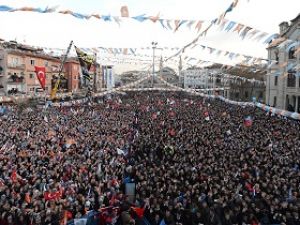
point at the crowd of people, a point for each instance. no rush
(193, 161)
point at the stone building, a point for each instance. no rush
(283, 82)
(17, 68)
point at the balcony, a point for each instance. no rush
(16, 66)
(15, 79)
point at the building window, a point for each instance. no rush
(46, 63)
(237, 94)
(275, 80)
(32, 62)
(274, 101)
(291, 80)
(277, 57)
(15, 61)
(31, 76)
(246, 94)
(31, 89)
(291, 53)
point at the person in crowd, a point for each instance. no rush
(193, 160)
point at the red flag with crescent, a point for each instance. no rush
(52, 195)
(41, 75)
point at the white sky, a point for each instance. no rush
(56, 30)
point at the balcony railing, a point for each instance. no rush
(16, 66)
(15, 79)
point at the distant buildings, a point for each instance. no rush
(202, 78)
(246, 84)
(199, 78)
(17, 70)
(283, 85)
(238, 82)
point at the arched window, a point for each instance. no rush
(276, 56)
(291, 80)
(291, 53)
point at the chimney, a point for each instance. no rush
(283, 27)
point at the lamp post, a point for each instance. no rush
(154, 44)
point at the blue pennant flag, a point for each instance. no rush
(140, 18)
(79, 16)
(270, 38)
(106, 18)
(4, 8)
(230, 26)
(162, 23)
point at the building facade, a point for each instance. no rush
(245, 84)
(202, 78)
(283, 82)
(72, 74)
(17, 66)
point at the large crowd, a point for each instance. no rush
(193, 161)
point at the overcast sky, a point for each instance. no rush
(56, 30)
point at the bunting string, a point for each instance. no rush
(166, 23)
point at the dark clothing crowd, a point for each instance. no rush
(193, 161)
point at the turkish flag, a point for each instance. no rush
(41, 75)
(53, 195)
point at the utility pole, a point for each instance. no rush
(181, 79)
(154, 44)
(95, 73)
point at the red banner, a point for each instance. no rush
(41, 75)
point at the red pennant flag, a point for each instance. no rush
(41, 75)
(139, 211)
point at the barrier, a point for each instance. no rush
(93, 218)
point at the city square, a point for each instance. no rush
(159, 117)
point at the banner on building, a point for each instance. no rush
(41, 75)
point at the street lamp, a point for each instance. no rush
(154, 44)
